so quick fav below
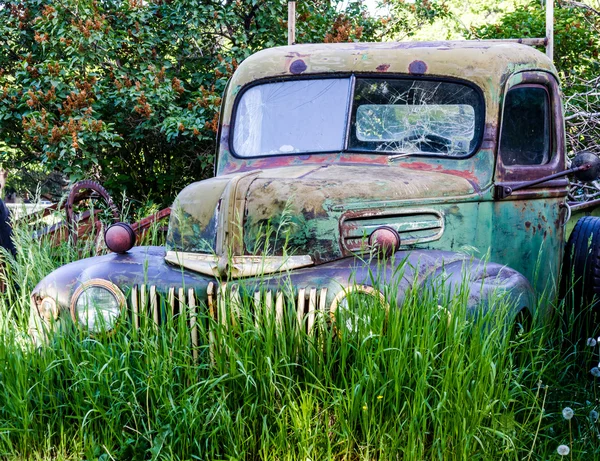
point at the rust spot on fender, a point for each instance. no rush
(383, 67)
(417, 67)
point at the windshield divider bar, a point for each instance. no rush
(349, 108)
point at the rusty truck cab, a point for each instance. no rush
(501, 133)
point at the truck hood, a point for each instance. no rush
(269, 220)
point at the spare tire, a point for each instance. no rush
(5, 229)
(581, 268)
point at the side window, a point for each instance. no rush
(526, 126)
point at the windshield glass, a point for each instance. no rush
(388, 115)
(292, 117)
(415, 116)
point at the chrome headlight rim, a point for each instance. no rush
(364, 289)
(47, 308)
(98, 283)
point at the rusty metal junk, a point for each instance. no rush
(76, 225)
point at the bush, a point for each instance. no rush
(128, 92)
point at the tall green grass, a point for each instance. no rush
(409, 383)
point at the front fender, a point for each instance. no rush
(483, 284)
(139, 266)
(448, 272)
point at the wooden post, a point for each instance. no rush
(550, 29)
(291, 22)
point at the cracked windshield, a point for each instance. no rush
(391, 116)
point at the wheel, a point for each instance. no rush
(581, 271)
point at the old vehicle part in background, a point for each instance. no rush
(76, 195)
(85, 224)
(75, 225)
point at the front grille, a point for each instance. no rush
(223, 303)
(413, 226)
(147, 303)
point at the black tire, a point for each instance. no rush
(581, 272)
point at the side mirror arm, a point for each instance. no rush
(501, 192)
(586, 167)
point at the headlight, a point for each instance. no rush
(96, 305)
(47, 309)
(353, 303)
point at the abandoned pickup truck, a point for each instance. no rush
(337, 159)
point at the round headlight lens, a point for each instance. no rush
(97, 308)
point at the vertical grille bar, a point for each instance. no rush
(221, 304)
(269, 301)
(210, 291)
(135, 307)
(235, 304)
(323, 300)
(279, 309)
(301, 304)
(181, 300)
(171, 300)
(312, 307)
(192, 306)
(154, 303)
(143, 298)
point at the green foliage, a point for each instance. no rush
(576, 37)
(129, 91)
(405, 19)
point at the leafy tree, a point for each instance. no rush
(576, 36)
(576, 49)
(129, 91)
(405, 19)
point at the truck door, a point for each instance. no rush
(527, 225)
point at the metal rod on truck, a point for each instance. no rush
(550, 29)
(291, 22)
